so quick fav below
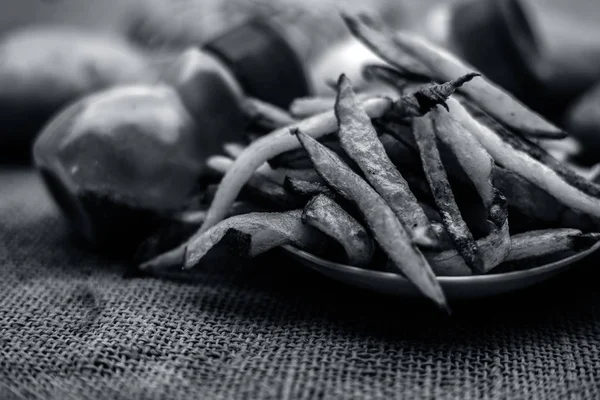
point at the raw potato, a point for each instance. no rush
(330, 218)
(43, 69)
(360, 141)
(381, 220)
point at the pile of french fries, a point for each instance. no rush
(453, 176)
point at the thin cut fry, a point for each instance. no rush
(535, 151)
(496, 246)
(522, 246)
(392, 77)
(258, 188)
(330, 218)
(526, 166)
(233, 150)
(265, 231)
(490, 97)
(472, 157)
(442, 194)
(266, 115)
(359, 140)
(320, 125)
(376, 37)
(381, 220)
(304, 107)
(550, 241)
(306, 189)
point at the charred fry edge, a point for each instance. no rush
(526, 166)
(327, 216)
(280, 141)
(535, 151)
(306, 189)
(443, 196)
(359, 140)
(381, 221)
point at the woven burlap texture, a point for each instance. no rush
(75, 326)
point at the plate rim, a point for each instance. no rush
(540, 269)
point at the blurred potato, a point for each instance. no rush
(44, 68)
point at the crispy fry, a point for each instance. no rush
(359, 140)
(306, 189)
(393, 78)
(398, 152)
(426, 99)
(298, 159)
(278, 175)
(536, 152)
(472, 157)
(308, 106)
(266, 115)
(487, 95)
(233, 150)
(377, 38)
(330, 218)
(279, 141)
(474, 160)
(526, 166)
(550, 241)
(259, 189)
(198, 216)
(522, 246)
(265, 231)
(495, 247)
(534, 202)
(442, 194)
(381, 220)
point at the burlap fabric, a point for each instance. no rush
(75, 326)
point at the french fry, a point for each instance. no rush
(496, 247)
(534, 202)
(258, 188)
(330, 218)
(550, 241)
(306, 189)
(266, 115)
(442, 194)
(474, 160)
(381, 220)
(536, 152)
(233, 150)
(377, 38)
(360, 141)
(255, 233)
(279, 141)
(304, 107)
(394, 78)
(526, 245)
(487, 95)
(526, 166)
